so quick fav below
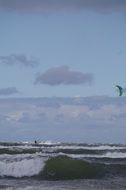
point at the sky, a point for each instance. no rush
(61, 48)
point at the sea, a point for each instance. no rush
(62, 166)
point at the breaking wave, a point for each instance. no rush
(18, 167)
(62, 161)
(59, 168)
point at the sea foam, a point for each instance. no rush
(21, 168)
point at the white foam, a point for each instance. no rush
(21, 168)
(115, 155)
(106, 155)
(102, 147)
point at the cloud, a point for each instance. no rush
(54, 5)
(102, 112)
(63, 75)
(90, 119)
(18, 59)
(8, 91)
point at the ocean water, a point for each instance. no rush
(62, 166)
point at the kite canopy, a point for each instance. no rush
(120, 89)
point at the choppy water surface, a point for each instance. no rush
(62, 166)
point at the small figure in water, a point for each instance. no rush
(35, 142)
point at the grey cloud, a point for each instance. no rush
(63, 75)
(111, 111)
(98, 119)
(8, 91)
(19, 59)
(53, 5)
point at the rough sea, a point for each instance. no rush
(62, 166)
